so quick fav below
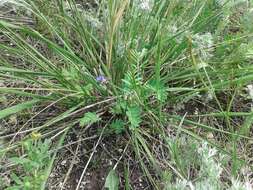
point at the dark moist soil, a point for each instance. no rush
(103, 161)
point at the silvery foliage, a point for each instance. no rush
(203, 44)
(144, 5)
(237, 185)
(231, 3)
(13, 2)
(93, 21)
(250, 91)
(4, 2)
(210, 170)
(209, 176)
(180, 185)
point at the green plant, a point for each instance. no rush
(209, 174)
(89, 118)
(118, 126)
(32, 167)
(112, 181)
(132, 65)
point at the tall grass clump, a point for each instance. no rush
(154, 72)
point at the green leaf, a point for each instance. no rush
(126, 177)
(112, 181)
(70, 74)
(119, 107)
(134, 116)
(13, 188)
(15, 178)
(89, 118)
(117, 126)
(52, 161)
(160, 90)
(245, 129)
(20, 92)
(88, 89)
(18, 160)
(17, 108)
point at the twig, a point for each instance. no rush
(71, 167)
(86, 166)
(115, 166)
(71, 114)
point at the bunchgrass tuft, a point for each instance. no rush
(170, 79)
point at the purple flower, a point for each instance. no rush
(101, 79)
